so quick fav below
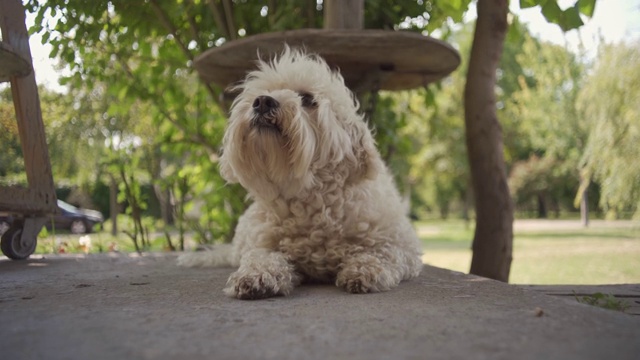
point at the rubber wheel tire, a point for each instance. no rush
(13, 248)
(78, 227)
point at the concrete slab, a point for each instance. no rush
(122, 307)
(626, 296)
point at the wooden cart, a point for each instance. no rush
(31, 204)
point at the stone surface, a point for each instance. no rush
(625, 296)
(123, 307)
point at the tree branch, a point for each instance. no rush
(231, 27)
(218, 18)
(311, 14)
(166, 22)
(195, 31)
(272, 12)
(155, 99)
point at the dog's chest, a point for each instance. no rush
(314, 255)
(313, 238)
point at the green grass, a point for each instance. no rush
(546, 252)
(50, 242)
(101, 241)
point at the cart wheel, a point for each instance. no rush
(15, 248)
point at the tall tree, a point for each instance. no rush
(492, 242)
(610, 104)
(493, 238)
(547, 133)
(144, 50)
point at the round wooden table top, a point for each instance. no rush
(11, 64)
(367, 59)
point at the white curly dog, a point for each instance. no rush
(324, 205)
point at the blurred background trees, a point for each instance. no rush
(570, 123)
(609, 106)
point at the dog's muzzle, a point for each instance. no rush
(265, 109)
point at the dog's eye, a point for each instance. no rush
(308, 100)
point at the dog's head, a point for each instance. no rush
(295, 124)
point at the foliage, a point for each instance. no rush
(11, 161)
(439, 172)
(545, 133)
(131, 73)
(123, 163)
(133, 60)
(132, 77)
(610, 105)
(542, 183)
(533, 77)
(567, 19)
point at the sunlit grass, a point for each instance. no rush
(101, 240)
(546, 252)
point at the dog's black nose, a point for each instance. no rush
(263, 104)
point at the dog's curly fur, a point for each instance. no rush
(325, 207)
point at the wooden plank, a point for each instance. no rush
(405, 60)
(11, 64)
(21, 200)
(29, 115)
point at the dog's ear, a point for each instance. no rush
(347, 141)
(366, 162)
(226, 171)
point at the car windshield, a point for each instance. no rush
(67, 207)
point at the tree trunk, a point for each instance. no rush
(493, 238)
(113, 205)
(584, 208)
(344, 14)
(542, 207)
(467, 202)
(164, 198)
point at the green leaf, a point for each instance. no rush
(123, 92)
(571, 19)
(524, 4)
(552, 12)
(586, 7)
(455, 4)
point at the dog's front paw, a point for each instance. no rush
(257, 286)
(356, 284)
(362, 279)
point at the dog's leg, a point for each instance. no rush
(262, 274)
(365, 273)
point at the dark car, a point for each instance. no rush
(68, 217)
(76, 220)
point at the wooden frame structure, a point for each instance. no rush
(368, 59)
(32, 203)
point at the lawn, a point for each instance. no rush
(546, 251)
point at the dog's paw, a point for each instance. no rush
(257, 286)
(358, 279)
(357, 286)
